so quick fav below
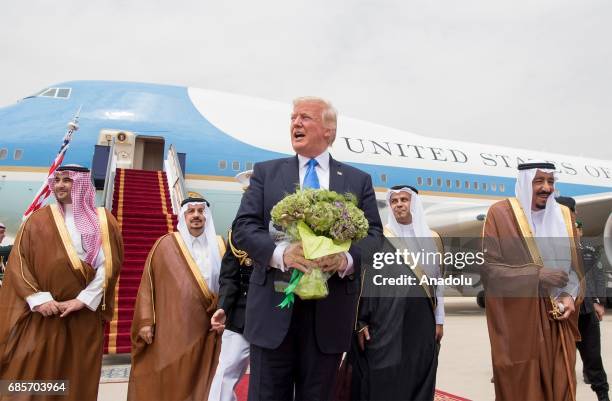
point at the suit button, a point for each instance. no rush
(351, 277)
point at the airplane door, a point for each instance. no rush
(149, 153)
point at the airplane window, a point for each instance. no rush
(484, 186)
(502, 187)
(493, 187)
(236, 166)
(18, 153)
(448, 183)
(222, 164)
(3, 153)
(419, 180)
(383, 178)
(475, 184)
(249, 165)
(63, 93)
(467, 185)
(457, 184)
(439, 182)
(429, 182)
(49, 92)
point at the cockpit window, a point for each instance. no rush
(63, 93)
(58, 93)
(49, 92)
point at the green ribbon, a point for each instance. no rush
(289, 295)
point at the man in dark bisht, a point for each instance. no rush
(174, 350)
(59, 289)
(399, 327)
(532, 278)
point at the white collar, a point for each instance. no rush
(67, 208)
(322, 159)
(200, 238)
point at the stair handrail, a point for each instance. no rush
(109, 180)
(176, 181)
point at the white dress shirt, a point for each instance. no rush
(199, 251)
(92, 294)
(573, 285)
(407, 230)
(322, 170)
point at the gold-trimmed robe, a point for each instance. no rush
(173, 298)
(530, 361)
(33, 347)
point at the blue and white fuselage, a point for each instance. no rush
(223, 134)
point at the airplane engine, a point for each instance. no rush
(607, 238)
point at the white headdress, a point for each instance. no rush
(555, 253)
(210, 235)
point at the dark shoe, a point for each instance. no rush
(603, 397)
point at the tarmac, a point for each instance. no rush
(464, 367)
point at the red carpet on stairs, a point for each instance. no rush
(141, 204)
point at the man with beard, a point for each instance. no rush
(58, 289)
(532, 277)
(174, 350)
(399, 328)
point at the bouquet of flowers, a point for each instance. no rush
(326, 223)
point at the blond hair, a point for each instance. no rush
(329, 114)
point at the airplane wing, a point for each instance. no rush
(595, 211)
(457, 220)
(466, 220)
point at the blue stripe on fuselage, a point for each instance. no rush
(37, 125)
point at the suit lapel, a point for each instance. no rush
(291, 175)
(336, 176)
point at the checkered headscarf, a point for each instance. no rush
(84, 208)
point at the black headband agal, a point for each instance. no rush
(398, 187)
(196, 200)
(567, 201)
(78, 169)
(529, 166)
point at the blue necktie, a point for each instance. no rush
(311, 180)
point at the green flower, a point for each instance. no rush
(326, 213)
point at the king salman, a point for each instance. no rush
(532, 280)
(59, 290)
(174, 350)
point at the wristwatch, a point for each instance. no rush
(596, 301)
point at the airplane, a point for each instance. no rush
(214, 136)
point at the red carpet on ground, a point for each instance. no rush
(242, 391)
(141, 204)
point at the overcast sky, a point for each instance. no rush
(534, 74)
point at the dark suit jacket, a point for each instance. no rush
(233, 289)
(266, 323)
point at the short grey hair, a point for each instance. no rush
(329, 115)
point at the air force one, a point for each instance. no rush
(202, 139)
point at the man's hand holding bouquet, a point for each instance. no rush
(324, 223)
